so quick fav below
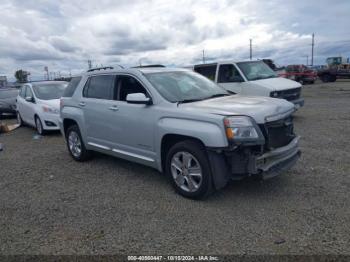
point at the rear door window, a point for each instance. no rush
(72, 86)
(99, 87)
(208, 71)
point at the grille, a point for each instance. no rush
(278, 133)
(289, 94)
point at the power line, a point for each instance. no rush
(312, 49)
(250, 49)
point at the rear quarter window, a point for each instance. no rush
(207, 71)
(72, 86)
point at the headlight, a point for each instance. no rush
(50, 110)
(240, 128)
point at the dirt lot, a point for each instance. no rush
(50, 204)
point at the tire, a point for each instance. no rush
(39, 126)
(196, 186)
(332, 79)
(19, 119)
(76, 145)
(325, 78)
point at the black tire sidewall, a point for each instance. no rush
(20, 118)
(199, 152)
(36, 126)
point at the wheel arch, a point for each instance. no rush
(67, 122)
(171, 139)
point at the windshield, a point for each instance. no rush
(49, 91)
(256, 70)
(184, 86)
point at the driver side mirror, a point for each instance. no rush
(30, 99)
(138, 98)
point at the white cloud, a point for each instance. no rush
(65, 34)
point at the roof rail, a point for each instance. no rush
(145, 66)
(102, 68)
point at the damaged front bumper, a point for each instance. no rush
(278, 160)
(243, 162)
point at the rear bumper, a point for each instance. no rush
(9, 109)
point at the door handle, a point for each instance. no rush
(82, 104)
(113, 108)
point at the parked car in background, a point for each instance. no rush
(38, 104)
(252, 78)
(337, 68)
(301, 74)
(180, 123)
(8, 100)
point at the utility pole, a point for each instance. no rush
(312, 49)
(250, 49)
(307, 60)
(203, 57)
(89, 64)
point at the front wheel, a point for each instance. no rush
(188, 168)
(19, 119)
(76, 145)
(39, 126)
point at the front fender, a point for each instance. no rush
(211, 134)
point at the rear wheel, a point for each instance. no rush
(188, 168)
(325, 78)
(76, 145)
(39, 126)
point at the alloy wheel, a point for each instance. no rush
(39, 126)
(186, 171)
(74, 144)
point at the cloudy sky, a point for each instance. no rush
(64, 34)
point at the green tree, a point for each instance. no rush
(22, 76)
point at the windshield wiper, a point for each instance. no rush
(263, 77)
(216, 95)
(188, 101)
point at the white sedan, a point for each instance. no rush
(38, 104)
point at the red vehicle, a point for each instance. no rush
(300, 73)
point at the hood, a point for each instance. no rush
(257, 107)
(54, 103)
(276, 84)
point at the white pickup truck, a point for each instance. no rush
(252, 78)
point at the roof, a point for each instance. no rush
(228, 62)
(46, 82)
(144, 70)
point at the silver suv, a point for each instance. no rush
(180, 123)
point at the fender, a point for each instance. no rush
(211, 134)
(76, 114)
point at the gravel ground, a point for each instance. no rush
(51, 204)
